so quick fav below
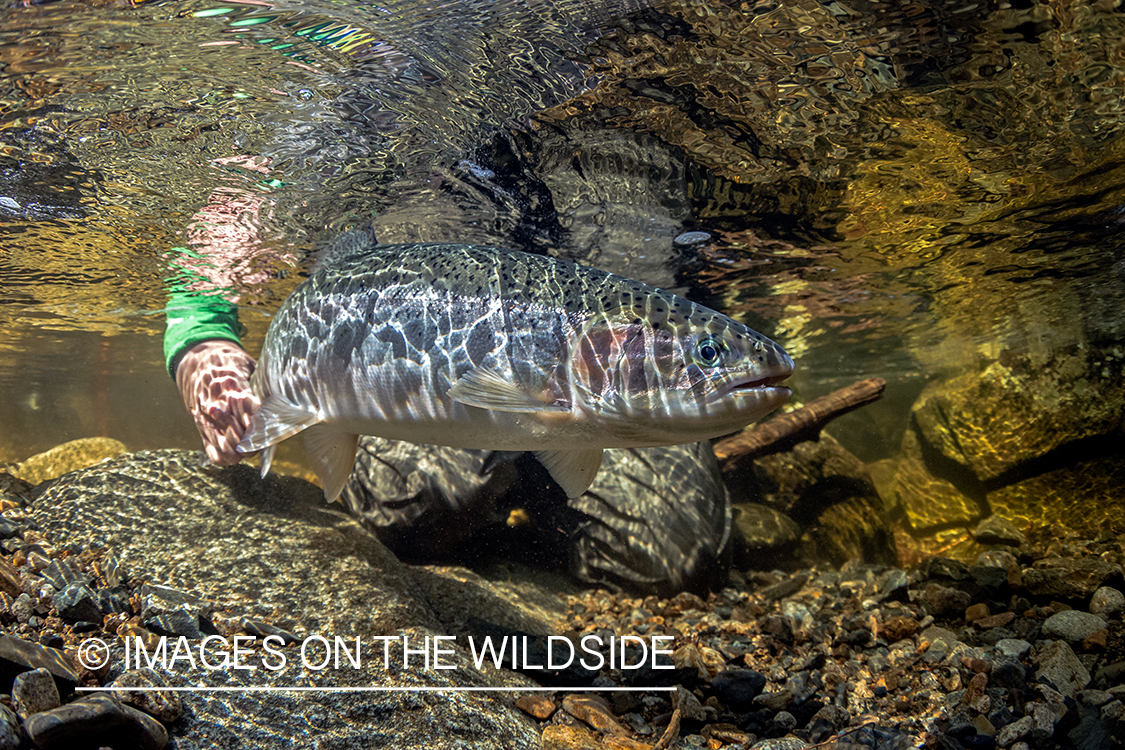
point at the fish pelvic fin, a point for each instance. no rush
(275, 420)
(573, 470)
(488, 389)
(332, 455)
(267, 459)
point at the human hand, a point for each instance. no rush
(214, 382)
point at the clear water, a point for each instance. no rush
(893, 190)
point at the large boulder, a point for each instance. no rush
(273, 552)
(1020, 408)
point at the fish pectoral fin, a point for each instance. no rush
(332, 455)
(487, 389)
(573, 470)
(275, 420)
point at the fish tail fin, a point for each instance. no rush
(332, 455)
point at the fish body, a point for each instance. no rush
(476, 347)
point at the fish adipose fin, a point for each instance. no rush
(332, 455)
(488, 389)
(573, 470)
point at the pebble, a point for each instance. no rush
(18, 655)
(593, 710)
(9, 578)
(539, 706)
(183, 620)
(1070, 578)
(1072, 626)
(835, 715)
(945, 601)
(1058, 665)
(1014, 648)
(781, 743)
(692, 238)
(1017, 730)
(77, 601)
(995, 621)
(775, 701)
(1107, 601)
(999, 530)
(101, 716)
(737, 688)
(22, 608)
(975, 612)
(898, 628)
(163, 704)
(11, 731)
(624, 743)
(35, 691)
(558, 737)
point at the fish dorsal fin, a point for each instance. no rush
(275, 420)
(573, 470)
(332, 455)
(488, 389)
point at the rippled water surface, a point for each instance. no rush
(891, 189)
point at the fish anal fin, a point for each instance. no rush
(487, 389)
(574, 470)
(332, 455)
(275, 420)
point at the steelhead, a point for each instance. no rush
(478, 347)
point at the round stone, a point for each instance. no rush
(737, 688)
(77, 601)
(1015, 648)
(1107, 601)
(163, 704)
(1072, 626)
(692, 238)
(103, 716)
(35, 691)
(10, 730)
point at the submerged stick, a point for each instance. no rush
(783, 432)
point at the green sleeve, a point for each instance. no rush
(195, 316)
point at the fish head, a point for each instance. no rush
(677, 372)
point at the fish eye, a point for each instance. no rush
(708, 352)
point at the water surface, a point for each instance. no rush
(893, 189)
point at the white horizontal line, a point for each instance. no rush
(308, 689)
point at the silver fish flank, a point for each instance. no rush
(477, 347)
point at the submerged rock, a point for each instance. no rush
(1026, 440)
(1022, 407)
(655, 520)
(273, 550)
(77, 454)
(827, 492)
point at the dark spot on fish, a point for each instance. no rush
(390, 335)
(344, 342)
(480, 343)
(298, 347)
(420, 333)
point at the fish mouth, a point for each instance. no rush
(761, 386)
